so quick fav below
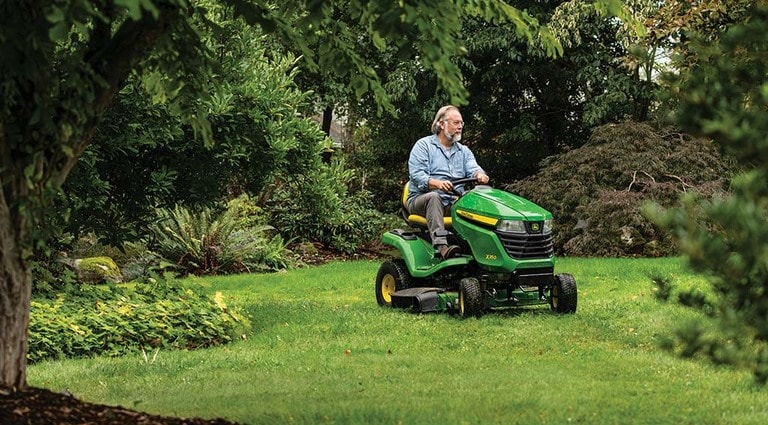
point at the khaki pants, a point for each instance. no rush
(431, 207)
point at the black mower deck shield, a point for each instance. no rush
(422, 300)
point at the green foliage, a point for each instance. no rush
(86, 321)
(50, 274)
(56, 270)
(353, 32)
(527, 106)
(679, 25)
(64, 64)
(725, 96)
(210, 242)
(144, 157)
(381, 161)
(596, 192)
(318, 208)
(141, 265)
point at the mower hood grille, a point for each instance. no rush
(522, 246)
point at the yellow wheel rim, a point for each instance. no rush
(387, 288)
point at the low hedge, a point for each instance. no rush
(114, 320)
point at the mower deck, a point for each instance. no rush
(434, 299)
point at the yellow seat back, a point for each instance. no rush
(419, 220)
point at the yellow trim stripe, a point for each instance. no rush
(405, 193)
(420, 219)
(478, 218)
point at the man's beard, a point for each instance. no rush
(455, 137)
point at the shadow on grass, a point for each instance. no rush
(495, 312)
(522, 311)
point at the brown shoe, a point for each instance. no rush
(449, 251)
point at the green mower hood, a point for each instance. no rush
(487, 205)
(491, 222)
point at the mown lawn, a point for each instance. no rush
(322, 351)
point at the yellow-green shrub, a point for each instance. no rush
(115, 320)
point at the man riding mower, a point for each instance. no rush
(506, 258)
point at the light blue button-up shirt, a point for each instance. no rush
(429, 159)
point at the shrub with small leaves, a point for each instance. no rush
(112, 320)
(318, 208)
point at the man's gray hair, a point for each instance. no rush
(440, 115)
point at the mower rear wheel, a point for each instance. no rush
(563, 296)
(470, 297)
(393, 276)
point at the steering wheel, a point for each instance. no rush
(464, 180)
(469, 184)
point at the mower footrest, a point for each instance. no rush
(535, 279)
(423, 300)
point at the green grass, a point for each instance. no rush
(322, 351)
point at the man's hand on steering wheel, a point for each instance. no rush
(482, 178)
(444, 185)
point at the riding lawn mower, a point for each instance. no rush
(507, 258)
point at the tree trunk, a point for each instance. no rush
(15, 290)
(327, 120)
(326, 127)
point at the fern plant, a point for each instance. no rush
(207, 242)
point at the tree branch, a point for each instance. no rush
(113, 61)
(634, 179)
(685, 185)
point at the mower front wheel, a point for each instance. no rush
(563, 296)
(470, 297)
(393, 276)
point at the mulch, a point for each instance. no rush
(38, 406)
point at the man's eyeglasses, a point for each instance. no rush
(455, 123)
